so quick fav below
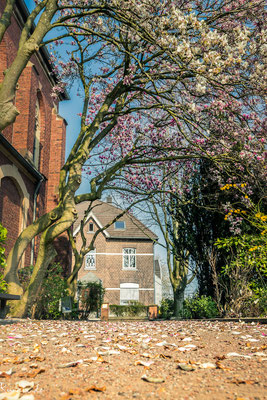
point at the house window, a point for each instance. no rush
(119, 225)
(129, 292)
(90, 260)
(129, 258)
(91, 227)
(36, 143)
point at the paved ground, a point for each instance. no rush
(45, 360)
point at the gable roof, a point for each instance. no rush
(103, 213)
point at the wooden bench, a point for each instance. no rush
(4, 297)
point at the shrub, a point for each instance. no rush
(256, 305)
(133, 309)
(3, 234)
(200, 307)
(244, 276)
(54, 287)
(91, 297)
(166, 308)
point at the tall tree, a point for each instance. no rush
(165, 211)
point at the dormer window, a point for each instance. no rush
(119, 225)
(91, 227)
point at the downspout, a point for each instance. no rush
(154, 273)
(34, 214)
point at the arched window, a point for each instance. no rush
(37, 135)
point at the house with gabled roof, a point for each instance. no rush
(123, 254)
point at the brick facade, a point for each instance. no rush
(38, 135)
(109, 262)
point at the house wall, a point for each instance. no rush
(34, 87)
(158, 291)
(109, 267)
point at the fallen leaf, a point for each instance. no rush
(241, 398)
(164, 356)
(112, 352)
(94, 388)
(37, 358)
(36, 348)
(65, 396)
(14, 395)
(25, 386)
(6, 374)
(243, 382)
(151, 379)
(70, 364)
(237, 355)
(65, 350)
(188, 347)
(220, 357)
(122, 347)
(17, 361)
(259, 354)
(162, 344)
(146, 355)
(98, 358)
(132, 352)
(207, 365)
(186, 367)
(75, 391)
(220, 366)
(144, 363)
(36, 372)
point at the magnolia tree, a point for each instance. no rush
(164, 208)
(45, 17)
(161, 82)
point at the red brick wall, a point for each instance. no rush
(10, 210)
(11, 207)
(56, 158)
(33, 84)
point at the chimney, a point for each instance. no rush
(109, 199)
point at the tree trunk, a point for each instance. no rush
(24, 239)
(46, 255)
(178, 296)
(25, 307)
(72, 279)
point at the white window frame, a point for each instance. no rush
(120, 229)
(90, 260)
(129, 292)
(129, 256)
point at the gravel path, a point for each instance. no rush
(62, 360)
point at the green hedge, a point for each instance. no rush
(200, 307)
(132, 310)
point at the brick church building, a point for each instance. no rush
(32, 150)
